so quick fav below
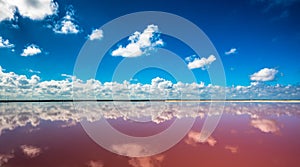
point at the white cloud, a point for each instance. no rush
(15, 86)
(201, 63)
(34, 71)
(32, 9)
(31, 151)
(265, 125)
(131, 50)
(4, 43)
(193, 138)
(190, 58)
(36, 9)
(265, 74)
(31, 50)
(231, 51)
(66, 75)
(96, 34)
(67, 25)
(140, 43)
(7, 10)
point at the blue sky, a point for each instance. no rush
(257, 40)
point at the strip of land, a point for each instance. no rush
(237, 101)
(163, 100)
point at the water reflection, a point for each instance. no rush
(35, 134)
(14, 115)
(265, 125)
(193, 139)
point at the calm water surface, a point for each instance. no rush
(50, 134)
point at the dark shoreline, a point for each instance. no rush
(154, 100)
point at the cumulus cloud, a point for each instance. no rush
(193, 138)
(7, 10)
(67, 25)
(231, 51)
(232, 149)
(32, 9)
(31, 50)
(202, 63)
(265, 74)
(97, 163)
(36, 9)
(96, 34)
(265, 125)
(140, 43)
(15, 86)
(4, 43)
(14, 83)
(31, 151)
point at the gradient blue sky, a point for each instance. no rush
(265, 34)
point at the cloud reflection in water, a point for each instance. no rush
(14, 115)
(263, 117)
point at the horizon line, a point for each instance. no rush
(159, 100)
